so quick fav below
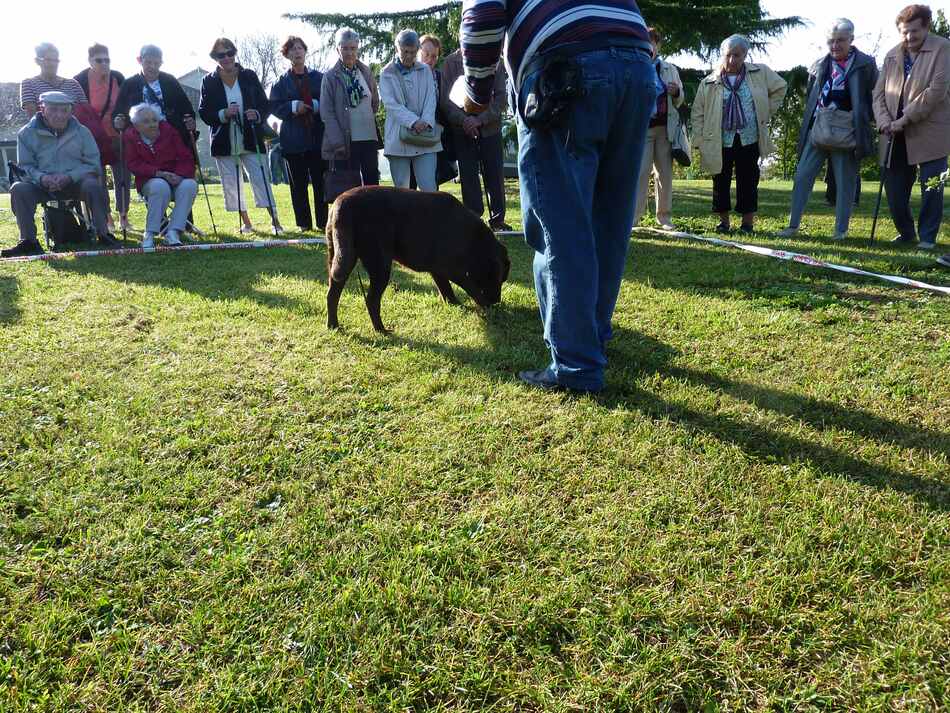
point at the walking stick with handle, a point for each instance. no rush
(201, 177)
(122, 164)
(880, 190)
(267, 188)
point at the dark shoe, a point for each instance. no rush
(925, 245)
(901, 240)
(501, 226)
(541, 378)
(723, 228)
(23, 248)
(109, 240)
(944, 260)
(747, 229)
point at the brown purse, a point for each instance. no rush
(337, 181)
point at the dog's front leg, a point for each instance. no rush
(445, 288)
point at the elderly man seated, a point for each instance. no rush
(163, 167)
(60, 160)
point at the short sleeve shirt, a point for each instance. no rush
(30, 89)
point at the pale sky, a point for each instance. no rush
(185, 30)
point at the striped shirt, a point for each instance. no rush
(533, 26)
(30, 89)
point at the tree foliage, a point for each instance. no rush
(261, 53)
(693, 26)
(941, 26)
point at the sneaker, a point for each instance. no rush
(925, 245)
(788, 232)
(723, 228)
(247, 229)
(669, 227)
(148, 241)
(944, 260)
(172, 239)
(545, 379)
(109, 241)
(23, 248)
(839, 235)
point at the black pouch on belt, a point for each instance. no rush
(548, 103)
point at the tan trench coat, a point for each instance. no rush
(768, 93)
(926, 99)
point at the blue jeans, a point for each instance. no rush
(578, 195)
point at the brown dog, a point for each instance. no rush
(426, 232)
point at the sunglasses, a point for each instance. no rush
(222, 55)
(101, 60)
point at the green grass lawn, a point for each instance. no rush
(208, 502)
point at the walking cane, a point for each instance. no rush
(122, 164)
(267, 187)
(201, 177)
(880, 190)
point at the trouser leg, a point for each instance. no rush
(663, 175)
(469, 174)
(316, 168)
(228, 171)
(722, 181)
(365, 156)
(898, 183)
(158, 195)
(493, 167)
(185, 193)
(931, 201)
(643, 180)
(424, 166)
(747, 179)
(94, 195)
(399, 170)
(299, 189)
(24, 197)
(846, 170)
(809, 166)
(258, 173)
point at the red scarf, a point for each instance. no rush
(303, 87)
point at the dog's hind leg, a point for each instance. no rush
(445, 288)
(339, 266)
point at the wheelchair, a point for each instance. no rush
(74, 207)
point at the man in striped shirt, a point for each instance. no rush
(578, 175)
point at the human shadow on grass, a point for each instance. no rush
(513, 335)
(9, 299)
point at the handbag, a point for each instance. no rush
(833, 129)
(681, 150)
(337, 182)
(426, 138)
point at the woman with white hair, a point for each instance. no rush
(164, 170)
(836, 126)
(412, 135)
(349, 100)
(730, 120)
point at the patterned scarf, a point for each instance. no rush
(836, 78)
(354, 89)
(908, 63)
(733, 115)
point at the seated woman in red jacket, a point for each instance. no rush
(163, 168)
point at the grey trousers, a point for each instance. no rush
(158, 194)
(485, 156)
(25, 196)
(845, 167)
(899, 180)
(423, 166)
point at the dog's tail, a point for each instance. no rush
(341, 242)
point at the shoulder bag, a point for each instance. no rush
(833, 129)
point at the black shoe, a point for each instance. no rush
(902, 240)
(747, 229)
(501, 226)
(723, 229)
(109, 240)
(23, 248)
(541, 378)
(944, 260)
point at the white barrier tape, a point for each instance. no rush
(800, 258)
(168, 249)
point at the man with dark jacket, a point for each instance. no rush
(478, 142)
(842, 82)
(159, 89)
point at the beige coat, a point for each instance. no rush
(926, 99)
(669, 73)
(768, 93)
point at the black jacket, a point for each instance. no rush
(83, 79)
(175, 102)
(213, 100)
(860, 82)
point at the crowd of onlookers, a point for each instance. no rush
(143, 127)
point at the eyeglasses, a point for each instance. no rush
(101, 60)
(51, 60)
(226, 53)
